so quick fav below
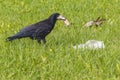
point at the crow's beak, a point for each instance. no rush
(60, 17)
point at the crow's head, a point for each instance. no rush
(57, 16)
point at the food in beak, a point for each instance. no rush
(64, 19)
(66, 22)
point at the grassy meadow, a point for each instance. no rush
(25, 59)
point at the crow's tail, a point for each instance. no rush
(17, 36)
(11, 38)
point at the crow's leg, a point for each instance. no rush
(39, 40)
(44, 41)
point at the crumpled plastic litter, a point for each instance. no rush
(91, 44)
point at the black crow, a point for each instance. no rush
(40, 30)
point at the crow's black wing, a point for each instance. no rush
(30, 28)
(27, 31)
(42, 31)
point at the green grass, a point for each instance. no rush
(27, 60)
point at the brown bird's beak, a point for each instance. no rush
(60, 17)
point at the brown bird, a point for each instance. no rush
(96, 22)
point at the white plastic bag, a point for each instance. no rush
(91, 44)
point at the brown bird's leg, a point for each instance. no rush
(96, 25)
